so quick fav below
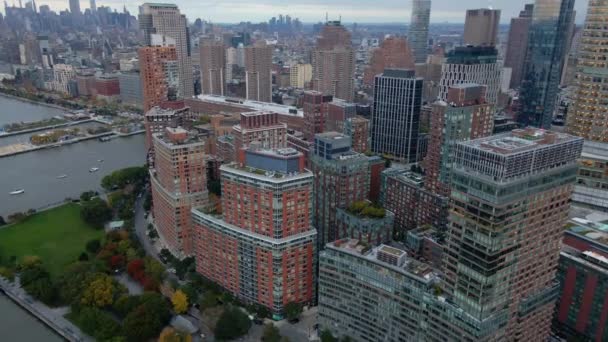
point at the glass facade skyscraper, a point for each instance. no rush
(396, 114)
(589, 113)
(418, 35)
(547, 46)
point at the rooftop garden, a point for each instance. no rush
(366, 209)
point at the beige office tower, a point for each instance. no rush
(333, 62)
(213, 67)
(258, 72)
(481, 27)
(166, 20)
(588, 114)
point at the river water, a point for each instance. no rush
(18, 325)
(36, 172)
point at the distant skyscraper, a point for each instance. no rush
(394, 52)
(396, 114)
(166, 20)
(510, 201)
(213, 67)
(588, 113)
(333, 62)
(159, 75)
(418, 35)
(518, 43)
(258, 72)
(75, 7)
(547, 46)
(481, 27)
(93, 6)
(471, 64)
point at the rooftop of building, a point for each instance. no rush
(593, 227)
(177, 137)
(399, 73)
(409, 265)
(253, 105)
(366, 209)
(406, 175)
(520, 140)
(331, 136)
(158, 111)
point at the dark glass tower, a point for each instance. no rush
(547, 46)
(396, 114)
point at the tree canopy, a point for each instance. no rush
(233, 323)
(96, 212)
(180, 302)
(136, 176)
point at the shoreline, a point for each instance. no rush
(44, 104)
(29, 309)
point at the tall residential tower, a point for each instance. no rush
(166, 20)
(418, 35)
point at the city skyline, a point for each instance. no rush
(313, 11)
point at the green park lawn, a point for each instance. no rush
(57, 236)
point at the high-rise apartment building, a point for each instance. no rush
(373, 294)
(179, 183)
(465, 116)
(333, 62)
(213, 67)
(166, 20)
(393, 53)
(158, 119)
(159, 75)
(582, 311)
(258, 72)
(300, 75)
(262, 248)
(472, 64)
(262, 128)
(357, 128)
(341, 178)
(588, 112)
(314, 106)
(396, 114)
(547, 46)
(517, 44)
(592, 184)
(510, 202)
(481, 27)
(418, 34)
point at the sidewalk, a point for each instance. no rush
(54, 318)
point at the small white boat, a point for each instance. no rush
(62, 176)
(94, 169)
(100, 160)
(17, 192)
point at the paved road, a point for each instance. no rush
(141, 227)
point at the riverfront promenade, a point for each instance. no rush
(53, 318)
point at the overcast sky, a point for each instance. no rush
(314, 10)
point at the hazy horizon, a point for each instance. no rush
(312, 11)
